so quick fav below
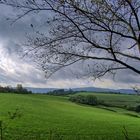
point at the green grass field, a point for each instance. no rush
(45, 116)
(117, 99)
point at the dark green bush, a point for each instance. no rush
(89, 99)
(61, 92)
(137, 108)
(19, 89)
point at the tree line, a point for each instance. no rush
(18, 89)
(92, 100)
(60, 92)
(88, 99)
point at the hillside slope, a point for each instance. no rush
(42, 113)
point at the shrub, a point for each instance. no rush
(89, 99)
(137, 108)
(61, 92)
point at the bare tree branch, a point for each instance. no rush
(95, 31)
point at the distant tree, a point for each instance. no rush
(19, 87)
(80, 99)
(60, 92)
(102, 34)
(136, 89)
(91, 100)
(137, 109)
(70, 91)
(21, 90)
(84, 99)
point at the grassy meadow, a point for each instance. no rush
(119, 100)
(44, 117)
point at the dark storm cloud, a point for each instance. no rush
(127, 77)
(14, 70)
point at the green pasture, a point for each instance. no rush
(45, 116)
(116, 99)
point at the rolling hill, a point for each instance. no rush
(88, 89)
(44, 116)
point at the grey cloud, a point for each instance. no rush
(127, 77)
(23, 72)
(14, 70)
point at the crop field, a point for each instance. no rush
(44, 117)
(119, 100)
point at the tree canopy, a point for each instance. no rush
(104, 35)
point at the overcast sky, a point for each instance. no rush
(14, 69)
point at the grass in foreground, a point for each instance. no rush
(42, 113)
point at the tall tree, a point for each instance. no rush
(102, 34)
